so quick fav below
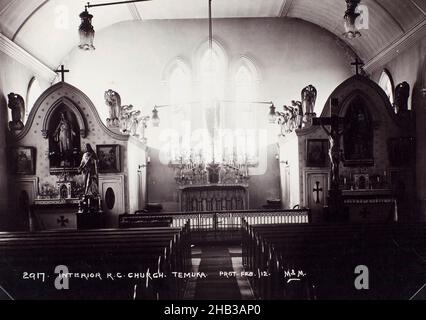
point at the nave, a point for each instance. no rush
(253, 261)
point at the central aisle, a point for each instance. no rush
(212, 260)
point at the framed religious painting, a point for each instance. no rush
(317, 153)
(22, 160)
(109, 158)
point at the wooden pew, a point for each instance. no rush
(323, 251)
(157, 249)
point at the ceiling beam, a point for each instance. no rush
(7, 6)
(134, 11)
(418, 7)
(404, 42)
(28, 18)
(390, 15)
(285, 8)
(17, 53)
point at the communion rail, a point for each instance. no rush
(221, 220)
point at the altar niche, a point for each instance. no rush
(358, 134)
(64, 141)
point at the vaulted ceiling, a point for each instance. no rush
(47, 29)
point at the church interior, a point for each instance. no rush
(212, 150)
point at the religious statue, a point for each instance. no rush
(358, 139)
(134, 123)
(126, 118)
(309, 97)
(298, 108)
(334, 135)
(113, 101)
(64, 135)
(17, 106)
(89, 168)
(402, 93)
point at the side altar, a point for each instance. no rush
(356, 161)
(67, 169)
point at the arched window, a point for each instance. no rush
(386, 84)
(180, 91)
(179, 86)
(212, 74)
(245, 92)
(34, 91)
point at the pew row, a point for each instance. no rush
(319, 261)
(135, 259)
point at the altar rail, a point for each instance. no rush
(229, 219)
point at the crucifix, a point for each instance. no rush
(62, 71)
(358, 65)
(317, 190)
(334, 134)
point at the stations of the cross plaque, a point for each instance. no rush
(62, 71)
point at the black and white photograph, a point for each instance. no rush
(204, 151)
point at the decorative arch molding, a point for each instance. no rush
(386, 79)
(248, 62)
(178, 62)
(376, 117)
(357, 85)
(71, 92)
(72, 107)
(202, 48)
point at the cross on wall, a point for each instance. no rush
(62, 71)
(317, 190)
(62, 221)
(358, 65)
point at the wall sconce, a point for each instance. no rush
(351, 28)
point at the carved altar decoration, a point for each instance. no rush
(64, 141)
(358, 134)
(17, 106)
(65, 186)
(207, 186)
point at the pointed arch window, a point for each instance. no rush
(245, 92)
(386, 83)
(212, 74)
(179, 86)
(34, 91)
(180, 91)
